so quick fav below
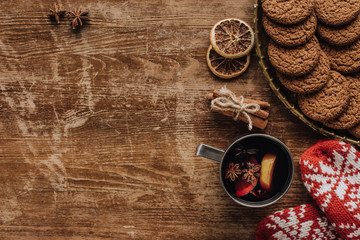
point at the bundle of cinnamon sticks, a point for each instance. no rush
(259, 119)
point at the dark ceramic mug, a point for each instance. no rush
(284, 167)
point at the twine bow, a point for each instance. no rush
(227, 101)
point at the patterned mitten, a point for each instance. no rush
(331, 173)
(302, 222)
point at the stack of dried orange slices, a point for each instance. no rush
(231, 41)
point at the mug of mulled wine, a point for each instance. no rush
(255, 171)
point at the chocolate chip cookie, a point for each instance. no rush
(291, 35)
(288, 11)
(329, 102)
(294, 61)
(337, 12)
(340, 36)
(311, 82)
(351, 115)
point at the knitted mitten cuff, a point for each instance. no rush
(302, 222)
(331, 173)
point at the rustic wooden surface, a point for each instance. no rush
(99, 126)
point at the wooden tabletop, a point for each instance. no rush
(99, 126)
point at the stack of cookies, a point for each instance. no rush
(324, 73)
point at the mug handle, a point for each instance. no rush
(209, 152)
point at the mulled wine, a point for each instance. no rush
(256, 169)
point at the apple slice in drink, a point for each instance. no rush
(267, 171)
(244, 186)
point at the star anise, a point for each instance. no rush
(251, 173)
(56, 13)
(241, 151)
(78, 16)
(233, 171)
(260, 193)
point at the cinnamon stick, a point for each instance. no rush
(256, 121)
(261, 113)
(262, 104)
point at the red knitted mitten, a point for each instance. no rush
(331, 173)
(302, 222)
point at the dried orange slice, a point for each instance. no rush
(226, 67)
(232, 38)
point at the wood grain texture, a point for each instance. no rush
(99, 126)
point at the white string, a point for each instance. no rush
(228, 102)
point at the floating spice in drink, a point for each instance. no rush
(255, 174)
